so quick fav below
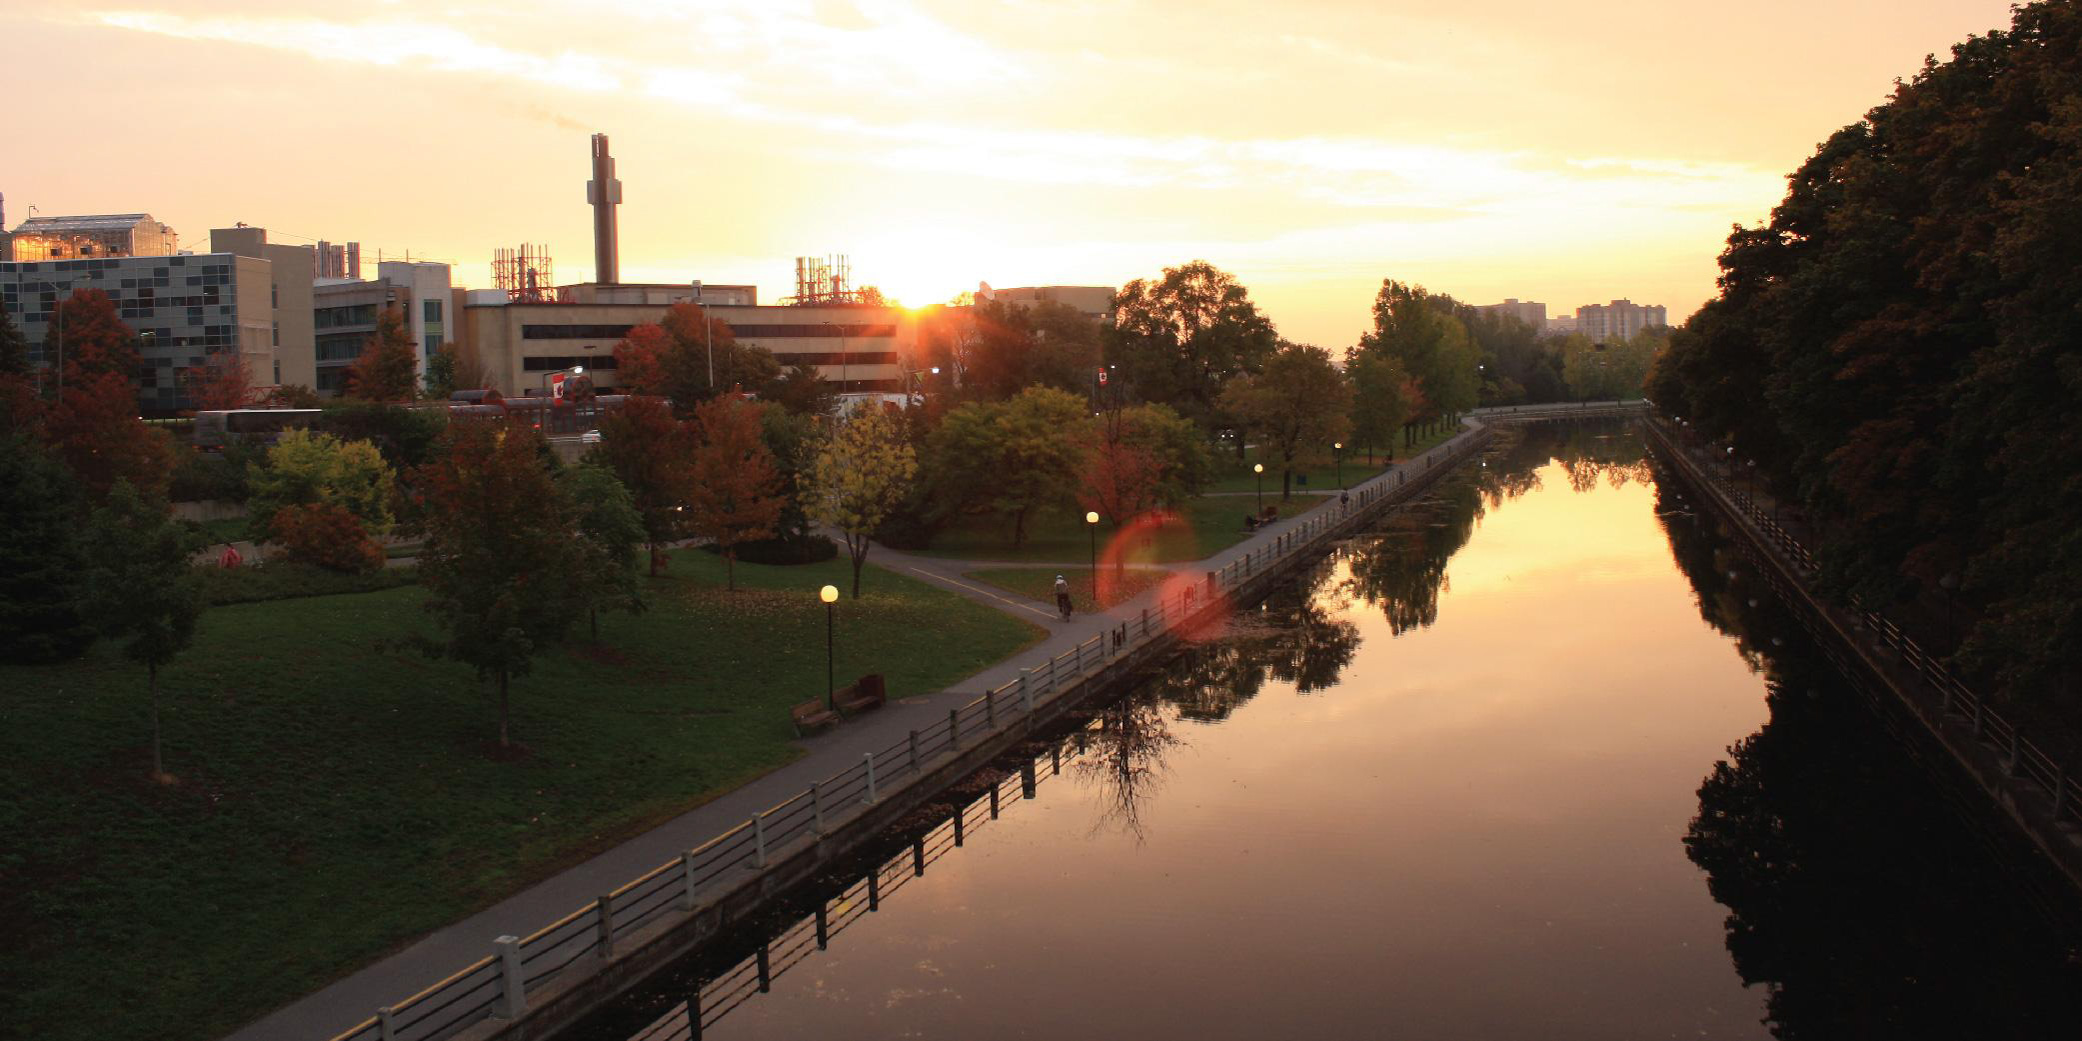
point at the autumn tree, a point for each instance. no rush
(1433, 346)
(1180, 338)
(388, 369)
(293, 395)
(1140, 459)
(610, 533)
(1379, 407)
(40, 619)
(454, 367)
(21, 405)
(1049, 344)
(306, 468)
(140, 588)
(223, 381)
(861, 474)
(688, 357)
(736, 485)
(1011, 458)
(500, 556)
(652, 454)
(1300, 401)
(88, 338)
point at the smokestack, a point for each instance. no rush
(604, 193)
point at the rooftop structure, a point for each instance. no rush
(604, 193)
(90, 236)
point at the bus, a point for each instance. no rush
(216, 428)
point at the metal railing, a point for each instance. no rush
(499, 984)
(2020, 757)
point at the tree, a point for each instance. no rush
(1615, 370)
(307, 468)
(89, 338)
(1140, 459)
(1049, 344)
(1379, 407)
(610, 533)
(1179, 339)
(1301, 399)
(96, 430)
(803, 390)
(499, 555)
(1011, 457)
(454, 367)
(652, 454)
(40, 618)
(140, 588)
(860, 475)
(325, 535)
(688, 358)
(21, 405)
(222, 381)
(293, 395)
(388, 369)
(1433, 346)
(736, 485)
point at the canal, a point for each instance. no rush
(1530, 759)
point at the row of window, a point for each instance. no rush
(350, 314)
(604, 361)
(749, 332)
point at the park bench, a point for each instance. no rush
(812, 715)
(863, 694)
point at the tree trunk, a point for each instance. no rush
(502, 708)
(652, 547)
(859, 558)
(730, 569)
(1286, 483)
(158, 765)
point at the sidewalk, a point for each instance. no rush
(352, 999)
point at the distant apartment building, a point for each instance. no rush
(1618, 320)
(183, 308)
(1531, 312)
(1094, 302)
(290, 274)
(1561, 325)
(858, 349)
(87, 237)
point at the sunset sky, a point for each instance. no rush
(1568, 153)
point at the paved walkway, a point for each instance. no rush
(348, 1001)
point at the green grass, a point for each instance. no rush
(1206, 526)
(1039, 583)
(283, 580)
(339, 794)
(1234, 475)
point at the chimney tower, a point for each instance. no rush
(604, 193)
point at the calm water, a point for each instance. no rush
(1523, 763)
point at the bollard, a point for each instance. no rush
(687, 880)
(512, 983)
(1026, 779)
(759, 840)
(817, 807)
(604, 912)
(953, 730)
(386, 1027)
(870, 759)
(914, 751)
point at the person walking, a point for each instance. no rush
(1062, 597)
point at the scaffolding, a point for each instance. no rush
(824, 280)
(524, 273)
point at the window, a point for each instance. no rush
(431, 309)
(433, 342)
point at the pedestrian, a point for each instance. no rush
(1062, 596)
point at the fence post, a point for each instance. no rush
(1977, 717)
(994, 800)
(874, 888)
(871, 795)
(2009, 766)
(823, 929)
(1026, 696)
(1026, 779)
(1055, 760)
(954, 730)
(759, 840)
(817, 807)
(687, 880)
(914, 751)
(766, 976)
(918, 857)
(604, 911)
(990, 709)
(386, 1025)
(512, 983)
(959, 813)
(2060, 791)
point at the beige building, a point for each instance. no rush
(1092, 301)
(291, 272)
(859, 349)
(1618, 320)
(88, 237)
(1531, 312)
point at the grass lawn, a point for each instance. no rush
(1233, 475)
(1038, 583)
(1206, 526)
(340, 794)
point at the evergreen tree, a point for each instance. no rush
(611, 536)
(141, 588)
(40, 589)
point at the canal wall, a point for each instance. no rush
(2032, 792)
(530, 987)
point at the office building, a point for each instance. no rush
(1618, 320)
(1095, 302)
(183, 309)
(85, 237)
(290, 274)
(344, 313)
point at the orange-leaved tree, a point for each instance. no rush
(737, 487)
(388, 369)
(223, 381)
(652, 453)
(94, 424)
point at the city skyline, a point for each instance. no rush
(1037, 144)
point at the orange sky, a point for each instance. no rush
(1569, 153)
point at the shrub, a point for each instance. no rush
(326, 536)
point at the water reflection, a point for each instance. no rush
(1858, 897)
(1126, 749)
(1297, 635)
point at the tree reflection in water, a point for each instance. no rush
(1296, 635)
(1127, 745)
(1856, 893)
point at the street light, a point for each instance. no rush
(1259, 469)
(1091, 521)
(1337, 448)
(830, 596)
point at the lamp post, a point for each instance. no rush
(1091, 521)
(1337, 448)
(1259, 469)
(830, 596)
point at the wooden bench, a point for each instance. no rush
(865, 693)
(812, 715)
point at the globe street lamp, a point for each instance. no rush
(830, 596)
(1337, 448)
(1091, 521)
(1259, 469)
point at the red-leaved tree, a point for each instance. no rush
(652, 453)
(94, 339)
(224, 381)
(737, 487)
(388, 369)
(1120, 480)
(327, 536)
(94, 424)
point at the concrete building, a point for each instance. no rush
(184, 309)
(1092, 301)
(1561, 325)
(344, 313)
(101, 235)
(858, 349)
(1618, 320)
(291, 272)
(1531, 312)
